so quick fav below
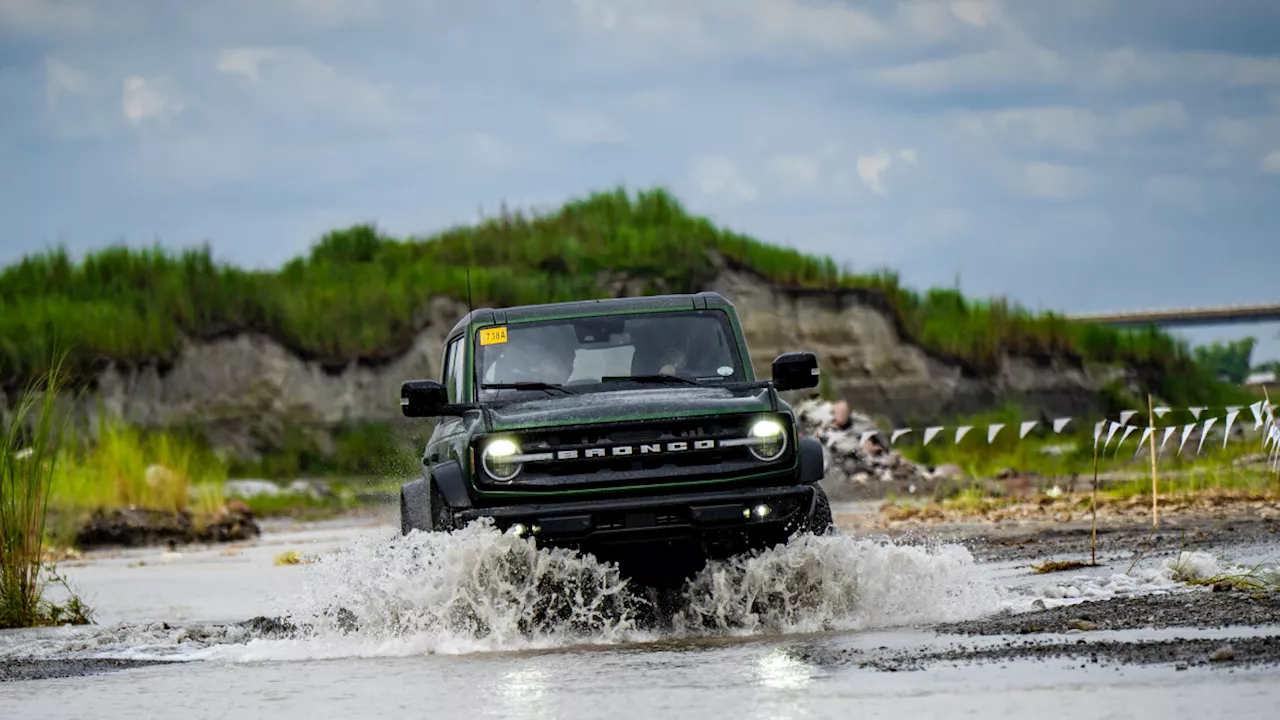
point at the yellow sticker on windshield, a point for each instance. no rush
(493, 336)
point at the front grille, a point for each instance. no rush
(656, 450)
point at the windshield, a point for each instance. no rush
(594, 353)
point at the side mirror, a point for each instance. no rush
(423, 398)
(795, 371)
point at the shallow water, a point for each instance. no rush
(482, 624)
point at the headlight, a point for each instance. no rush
(769, 440)
(499, 460)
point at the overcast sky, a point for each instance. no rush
(1079, 155)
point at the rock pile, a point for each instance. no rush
(857, 453)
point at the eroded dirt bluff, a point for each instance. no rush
(250, 385)
(869, 361)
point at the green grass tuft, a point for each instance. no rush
(29, 461)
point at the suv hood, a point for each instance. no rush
(628, 404)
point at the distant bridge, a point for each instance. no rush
(1185, 316)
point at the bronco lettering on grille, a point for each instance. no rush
(645, 449)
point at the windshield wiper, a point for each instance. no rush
(548, 387)
(648, 379)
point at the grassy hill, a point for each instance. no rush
(359, 294)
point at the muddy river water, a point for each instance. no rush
(481, 625)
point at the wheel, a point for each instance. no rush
(821, 521)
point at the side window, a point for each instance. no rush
(451, 375)
(460, 369)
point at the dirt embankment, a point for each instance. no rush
(247, 390)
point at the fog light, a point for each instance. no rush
(762, 511)
(517, 530)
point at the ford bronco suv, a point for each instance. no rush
(633, 429)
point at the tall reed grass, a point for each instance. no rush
(29, 461)
(126, 467)
(360, 294)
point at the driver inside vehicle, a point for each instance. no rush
(672, 361)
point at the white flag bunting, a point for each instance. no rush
(1262, 412)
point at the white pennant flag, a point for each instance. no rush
(1111, 433)
(929, 432)
(1127, 429)
(1186, 433)
(1146, 433)
(1125, 415)
(1097, 432)
(1207, 424)
(960, 432)
(1196, 411)
(1257, 414)
(1234, 408)
(897, 434)
(1160, 411)
(992, 431)
(866, 435)
(1168, 433)
(1060, 423)
(1275, 442)
(1026, 427)
(1226, 434)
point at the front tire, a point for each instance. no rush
(821, 521)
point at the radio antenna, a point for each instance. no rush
(470, 254)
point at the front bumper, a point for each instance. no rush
(697, 525)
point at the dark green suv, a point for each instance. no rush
(633, 429)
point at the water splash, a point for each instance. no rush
(835, 582)
(477, 589)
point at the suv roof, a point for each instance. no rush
(686, 301)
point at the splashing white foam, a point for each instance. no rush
(835, 582)
(477, 589)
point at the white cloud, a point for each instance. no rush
(244, 61)
(1271, 163)
(40, 15)
(1073, 129)
(927, 19)
(1127, 67)
(585, 127)
(974, 12)
(796, 173)
(908, 155)
(62, 79)
(155, 98)
(331, 13)
(293, 80)
(753, 25)
(1049, 181)
(871, 167)
(717, 177)
(985, 68)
